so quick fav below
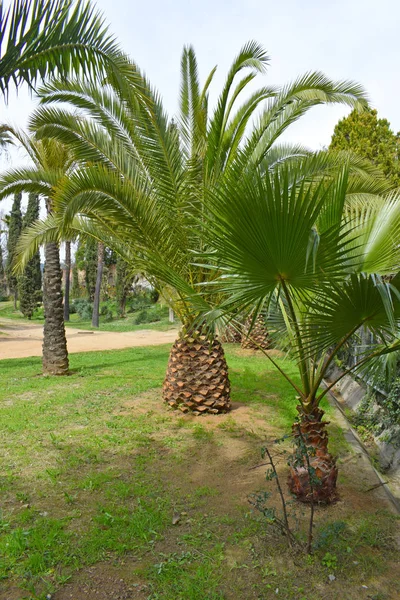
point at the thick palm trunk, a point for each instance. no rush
(55, 354)
(99, 277)
(67, 279)
(321, 464)
(258, 333)
(197, 376)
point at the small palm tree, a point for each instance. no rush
(143, 186)
(323, 269)
(51, 161)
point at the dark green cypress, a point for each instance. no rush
(3, 283)
(90, 261)
(124, 284)
(30, 282)
(14, 231)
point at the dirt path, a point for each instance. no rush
(19, 340)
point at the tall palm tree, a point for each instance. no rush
(143, 187)
(324, 267)
(43, 38)
(51, 161)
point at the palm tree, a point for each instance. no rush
(143, 187)
(43, 38)
(51, 161)
(323, 267)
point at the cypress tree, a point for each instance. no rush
(90, 262)
(14, 231)
(3, 284)
(372, 138)
(75, 291)
(30, 282)
(123, 285)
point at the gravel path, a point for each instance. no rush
(18, 340)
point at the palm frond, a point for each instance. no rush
(41, 38)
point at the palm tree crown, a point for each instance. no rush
(143, 185)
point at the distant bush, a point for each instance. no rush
(151, 315)
(83, 308)
(141, 299)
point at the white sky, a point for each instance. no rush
(347, 39)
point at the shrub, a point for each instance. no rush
(83, 308)
(147, 316)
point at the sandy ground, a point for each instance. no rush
(19, 340)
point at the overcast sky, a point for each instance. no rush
(347, 39)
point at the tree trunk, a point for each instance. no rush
(55, 354)
(67, 279)
(197, 376)
(16, 298)
(230, 335)
(96, 302)
(322, 487)
(258, 333)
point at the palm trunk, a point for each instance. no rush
(67, 279)
(197, 375)
(96, 302)
(230, 335)
(55, 354)
(258, 333)
(16, 297)
(322, 470)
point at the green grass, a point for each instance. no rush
(93, 467)
(118, 325)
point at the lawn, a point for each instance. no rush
(107, 494)
(127, 323)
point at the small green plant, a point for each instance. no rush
(330, 561)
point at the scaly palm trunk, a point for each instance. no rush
(230, 335)
(258, 333)
(67, 279)
(197, 375)
(55, 354)
(99, 277)
(322, 487)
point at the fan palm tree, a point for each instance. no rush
(143, 185)
(44, 38)
(323, 269)
(51, 161)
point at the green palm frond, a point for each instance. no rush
(292, 102)
(41, 38)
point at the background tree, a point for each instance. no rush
(14, 231)
(51, 161)
(123, 284)
(3, 281)
(372, 138)
(90, 264)
(67, 271)
(99, 278)
(30, 281)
